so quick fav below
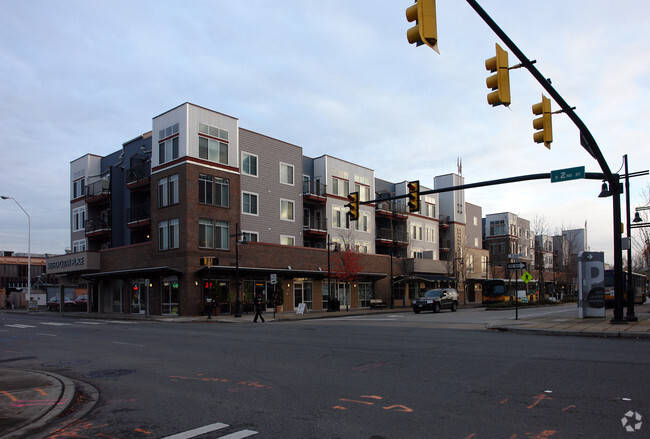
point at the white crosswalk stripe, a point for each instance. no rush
(18, 325)
(92, 323)
(56, 324)
(210, 428)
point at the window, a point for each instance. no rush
(78, 188)
(168, 150)
(287, 240)
(214, 234)
(340, 187)
(251, 236)
(168, 132)
(249, 203)
(364, 191)
(416, 232)
(429, 210)
(168, 234)
(287, 210)
(213, 150)
(168, 191)
(214, 190)
(363, 223)
(213, 131)
(78, 218)
(340, 219)
(286, 173)
(79, 246)
(249, 164)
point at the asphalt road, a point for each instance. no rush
(393, 376)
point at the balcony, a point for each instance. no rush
(445, 222)
(138, 216)
(391, 209)
(314, 226)
(138, 178)
(391, 237)
(314, 191)
(97, 227)
(98, 192)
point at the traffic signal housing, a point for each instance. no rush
(543, 123)
(500, 81)
(353, 205)
(209, 261)
(414, 196)
(425, 31)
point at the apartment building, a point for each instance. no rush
(199, 208)
(506, 235)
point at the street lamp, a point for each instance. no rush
(330, 306)
(29, 246)
(237, 234)
(630, 317)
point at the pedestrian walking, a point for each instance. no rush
(259, 307)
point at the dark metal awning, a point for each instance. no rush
(285, 272)
(425, 277)
(133, 272)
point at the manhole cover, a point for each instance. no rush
(109, 373)
(66, 363)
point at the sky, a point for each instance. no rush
(334, 77)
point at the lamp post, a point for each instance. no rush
(237, 234)
(330, 306)
(29, 246)
(629, 288)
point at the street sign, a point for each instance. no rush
(274, 279)
(516, 265)
(526, 277)
(567, 174)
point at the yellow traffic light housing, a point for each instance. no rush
(353, 205)
(500, 81)
(544, 123)
(414, 196)
(425, 31)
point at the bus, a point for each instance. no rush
(503, 290)
(639, 284)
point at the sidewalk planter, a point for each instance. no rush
(278, 308)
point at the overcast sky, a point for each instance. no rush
(335, 77)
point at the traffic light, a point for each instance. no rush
(209, 261)
(425, 31)
(543, 123)
(353, 205)
(500, 81)
(414, 196)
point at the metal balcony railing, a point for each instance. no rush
(100, 187)
(314, 188)
(138, 213)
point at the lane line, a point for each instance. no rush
(239, 434)
(49, 335)
(198, 431)
(128, 344)
(18, 325)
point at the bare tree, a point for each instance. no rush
(641, 236)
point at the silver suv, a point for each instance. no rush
(435, 300)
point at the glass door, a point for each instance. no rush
(139, 291)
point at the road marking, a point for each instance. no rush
(49, 335)
(239, 434)
(122, 321)
(198, 431)
(56, 324)
(18, 325)
(91, 323)
(128, 344)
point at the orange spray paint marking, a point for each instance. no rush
(402, 408)
(371, 396)
(360, 402)
(470, 436)
(568, 407)
(539, 398)
(140, 430)
(41, 392)
(338, 407)
(11, 397)
(504, 401)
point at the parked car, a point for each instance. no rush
(81, 301)
(53, 303)
(437, 299)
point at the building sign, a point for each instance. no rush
(74, 262)
(591, 286)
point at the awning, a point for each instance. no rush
(425, 277)
(284, 272)
(133, 272)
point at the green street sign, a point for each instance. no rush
(567, 174)
(526, 277)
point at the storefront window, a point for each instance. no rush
(170, 294)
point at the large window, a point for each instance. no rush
(287, 208)
(78, 218)
(249, 164)
(168, 191)
(249, 203)
(213, 150)
(286, 173)
(168, 150)
(79, 246)
(168, 234)
(78, 188)
(214, 234)
(287, 240)
(214, 190)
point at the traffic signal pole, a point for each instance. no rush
(588, 143)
